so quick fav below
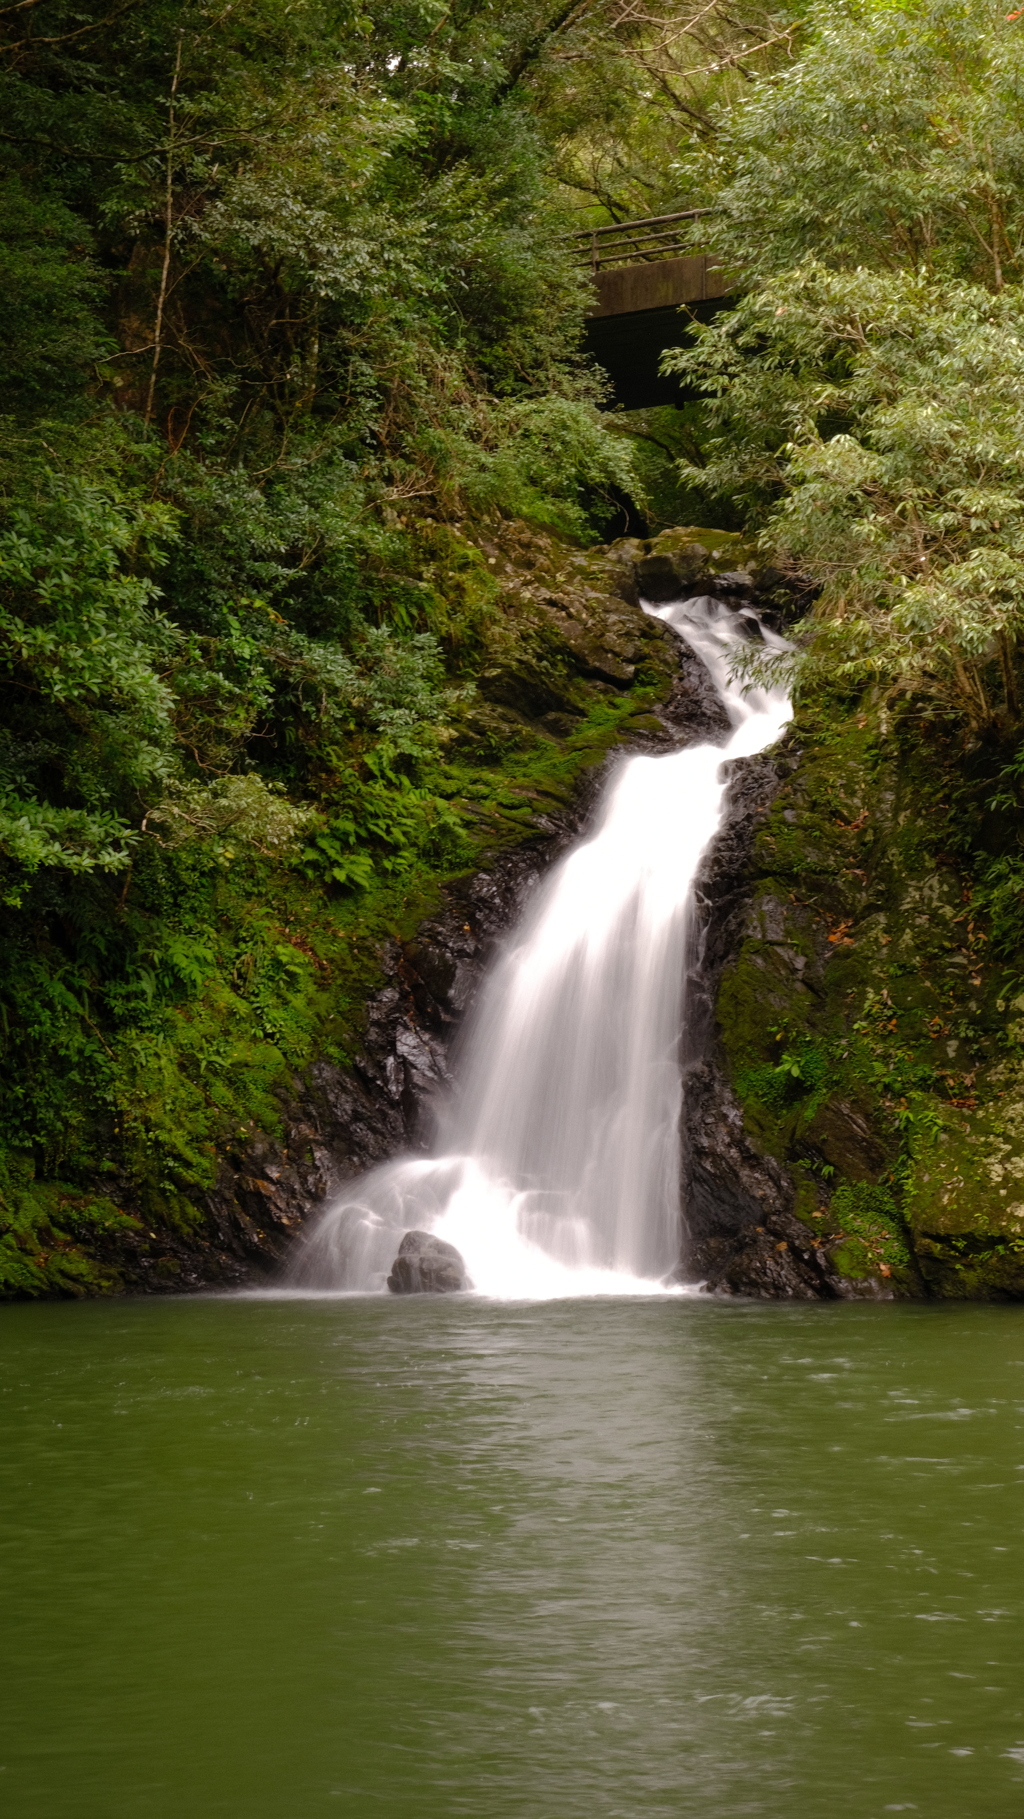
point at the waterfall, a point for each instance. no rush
(557, 1165)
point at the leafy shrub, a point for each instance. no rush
(798, 1077)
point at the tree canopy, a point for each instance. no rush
(865, 394)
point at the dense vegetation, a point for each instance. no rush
(864, 412)
(868, 391)
(290, 323)
(292, 329)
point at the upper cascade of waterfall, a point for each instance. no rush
(557, 1168)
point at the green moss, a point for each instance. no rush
(795, 1081)
(48, 1232)
(965, 1187)
(872, 1230)
(854, 1259)
(720, 552)
(965, 1269)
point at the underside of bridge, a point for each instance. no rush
(640, 310)
(630, 348)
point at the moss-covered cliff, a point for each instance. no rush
(855, 1069)
(872, 1038)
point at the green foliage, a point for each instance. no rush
(47, 1231)
(244, 811)
(49, 288)
(556, 464)
(291, 326)
(909, 514)
(798, 1077)
(999, 898)
(891, 142)
(387, 827)
(87, 722)
(667, 440)
(866, 395)
(286, 302)
(626, 93)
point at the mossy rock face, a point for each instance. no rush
(52, 1236)
(565, 633)
(964, 1198)
(860, 1018)
(872, 1049)
(691, 559)
(843, 1134)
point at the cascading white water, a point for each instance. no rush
(557, 1170)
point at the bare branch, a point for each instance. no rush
(168, 233)
(83, 31)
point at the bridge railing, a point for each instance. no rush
(635, 242)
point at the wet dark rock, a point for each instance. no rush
(673, 568)
(559, 725)
(660, 579)
(742, 1237)
(779, 1261)
(603, 661)
(734, 585)
(840, 1134)
(679, 563)
(722, 895)
(426, 1265)
(693, 710)
(523, 687)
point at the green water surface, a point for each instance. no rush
(419, 1559)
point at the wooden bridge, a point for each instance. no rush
(642, 272)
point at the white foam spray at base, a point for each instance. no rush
(557, 1170)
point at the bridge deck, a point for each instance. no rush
(647, 264)
(692, 279)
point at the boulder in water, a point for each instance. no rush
(426, 1265)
